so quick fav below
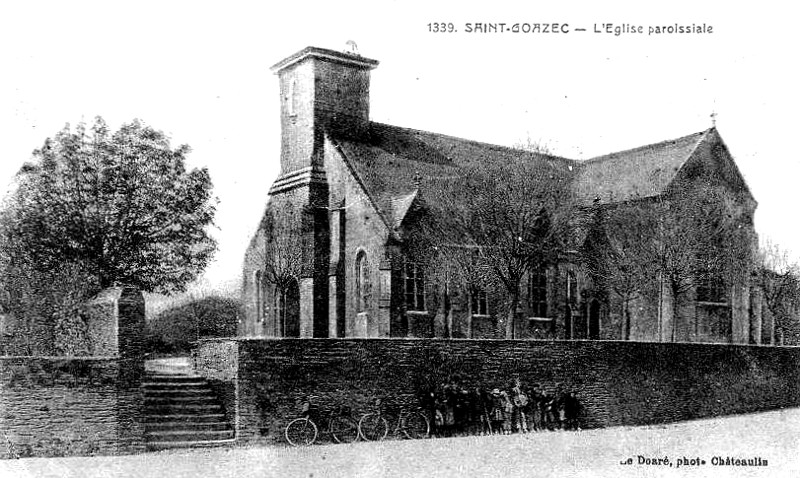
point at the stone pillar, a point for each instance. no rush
(115, 327)
(767, 325)
(755, 315)
(384, 298)
(115, 323)
(740, 314)
(306, 307)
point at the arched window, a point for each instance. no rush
(362, 282)
(572, 288)
(537, 293)
(259, 294)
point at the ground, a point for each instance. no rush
(771, 436)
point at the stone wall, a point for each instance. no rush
(63, 406)
(70, 406)
(618, 383)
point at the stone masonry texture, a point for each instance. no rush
(617, 383)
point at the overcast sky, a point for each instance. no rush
(200, 72)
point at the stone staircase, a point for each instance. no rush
(181, 410)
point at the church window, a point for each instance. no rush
(572, 288)
(711, 288)
(479, 303)
(537, 293)
(414, 286)
(259, 291)
(362, 282)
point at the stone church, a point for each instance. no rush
(328, 258)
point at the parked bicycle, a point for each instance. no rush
(409, 423)
(303, 431)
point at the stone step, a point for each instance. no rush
(147, 382)
(178, 392)
(182, 408)
(149, 377)
(162, 445)
(186, 425)
(179, 399)
(183, 417)
(189, 435)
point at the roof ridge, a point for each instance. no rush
(700, 135)
(475, 142)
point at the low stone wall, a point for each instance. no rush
(70, 406)
(618, 383)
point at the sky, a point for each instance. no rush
(200, 72)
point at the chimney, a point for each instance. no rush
(321, 91)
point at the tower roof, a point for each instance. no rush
(350, 59)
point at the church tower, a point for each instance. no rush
(322, 91)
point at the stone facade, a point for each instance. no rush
(343, 198)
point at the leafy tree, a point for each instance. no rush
(94, 209)
(122, 205)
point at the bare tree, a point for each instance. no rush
(497, 222)
(779, 279)
(279, 256)
(615, 254)
(697, 238)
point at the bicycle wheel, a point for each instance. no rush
(301, 432)
(343, 430)
(373, 427)
(416, 425)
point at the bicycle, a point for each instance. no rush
(412, 424)
(303, 431)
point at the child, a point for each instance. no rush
(521, 403)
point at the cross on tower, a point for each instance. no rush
(713, 118)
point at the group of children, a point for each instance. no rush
(459, 410)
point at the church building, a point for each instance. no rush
(330, 256)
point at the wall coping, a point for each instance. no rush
(461, 340)
(108, 358)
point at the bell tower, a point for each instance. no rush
(322, 91)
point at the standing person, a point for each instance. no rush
(508, 412)
(572, 409)
(548, 411)
(559, 411)
(497, 413)
(536, 408)
(521, 403)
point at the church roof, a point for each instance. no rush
(399, 165)
(641, 172)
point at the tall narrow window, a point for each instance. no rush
(572, 288)
(362, 282)
(537, 293)
(479, 301)
(259, 294)
(414, 287)
(711, 288)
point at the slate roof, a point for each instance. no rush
(641, 172)
(399, 165)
